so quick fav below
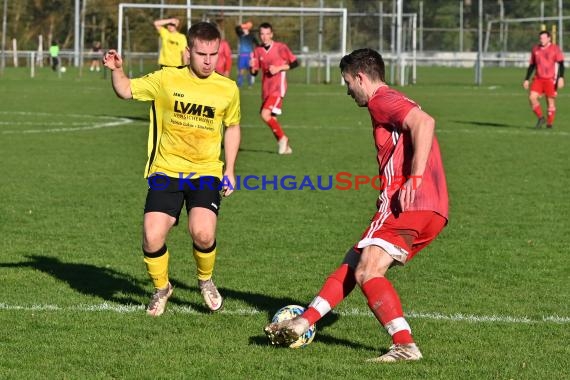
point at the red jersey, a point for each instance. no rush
(278, 54)
(224, 58)
(545, 59)
(388, 108)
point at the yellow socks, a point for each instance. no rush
(157, 267)
(205, 259)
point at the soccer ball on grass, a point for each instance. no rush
(290, 312)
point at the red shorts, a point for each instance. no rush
(543, 86)
(403, 236)
(273, 103)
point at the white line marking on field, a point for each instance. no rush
(457, 317)
(96, 122)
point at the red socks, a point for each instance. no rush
(384, 302)
(275, 128)
(337, 286)
(551, 114)
(382, 299)
(537, 111)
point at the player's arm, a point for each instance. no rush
(285, 67)
(121, 83)
(232, 137)
(529, 72)
(253, 64)
(165, 21)
(421, 127)
(560, 74)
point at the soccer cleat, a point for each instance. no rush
(399, 352)
(158, 301)
(284, 147)
(540, 122)
(549, 126)
(287, 331)
(212, 297)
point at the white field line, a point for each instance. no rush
(117, 308)
(117, 121)
(75, 120)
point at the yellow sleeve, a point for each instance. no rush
(233, 115)
(164, 33)
(146, 88)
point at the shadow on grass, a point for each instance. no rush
(486, 124)
(114, 286)
(258, 151)
(87, 279)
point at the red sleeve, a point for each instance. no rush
(559, 55)
(391, 109)
(287, 54)
(228, 53)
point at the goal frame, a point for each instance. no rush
(293, 11)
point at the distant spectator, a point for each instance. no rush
(96, 57)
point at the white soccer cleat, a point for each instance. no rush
(158, 301)
(212, 297)
(284, 147)
(287, 331)
(399, 352)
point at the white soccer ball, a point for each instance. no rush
(289, 312)
(62, 69)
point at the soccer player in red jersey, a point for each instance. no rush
(273, 59)
(409, 216)
(548, 60)
(224, 65)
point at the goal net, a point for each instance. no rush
(318, 36)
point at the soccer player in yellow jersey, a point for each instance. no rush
(191, 105)
(173, 43)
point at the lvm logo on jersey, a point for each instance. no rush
(194, 109)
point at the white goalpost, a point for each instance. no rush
(241, 11)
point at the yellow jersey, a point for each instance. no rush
(172, 48)
(187, 119)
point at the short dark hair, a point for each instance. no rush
(367, 61)
(204, 31)
(544, 32)
(266, 25)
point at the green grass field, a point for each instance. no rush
(489, 299)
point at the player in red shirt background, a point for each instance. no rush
(224, 65)
(548, 60)
(273, 59)
(408, 216)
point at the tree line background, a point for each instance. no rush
(54, 20)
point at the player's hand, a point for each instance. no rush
(525, 84)
(560, 83)
(112, 60)
(407, 194)
(274, 69)
(253, 64)
(228, 188)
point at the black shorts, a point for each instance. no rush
(167, 194)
